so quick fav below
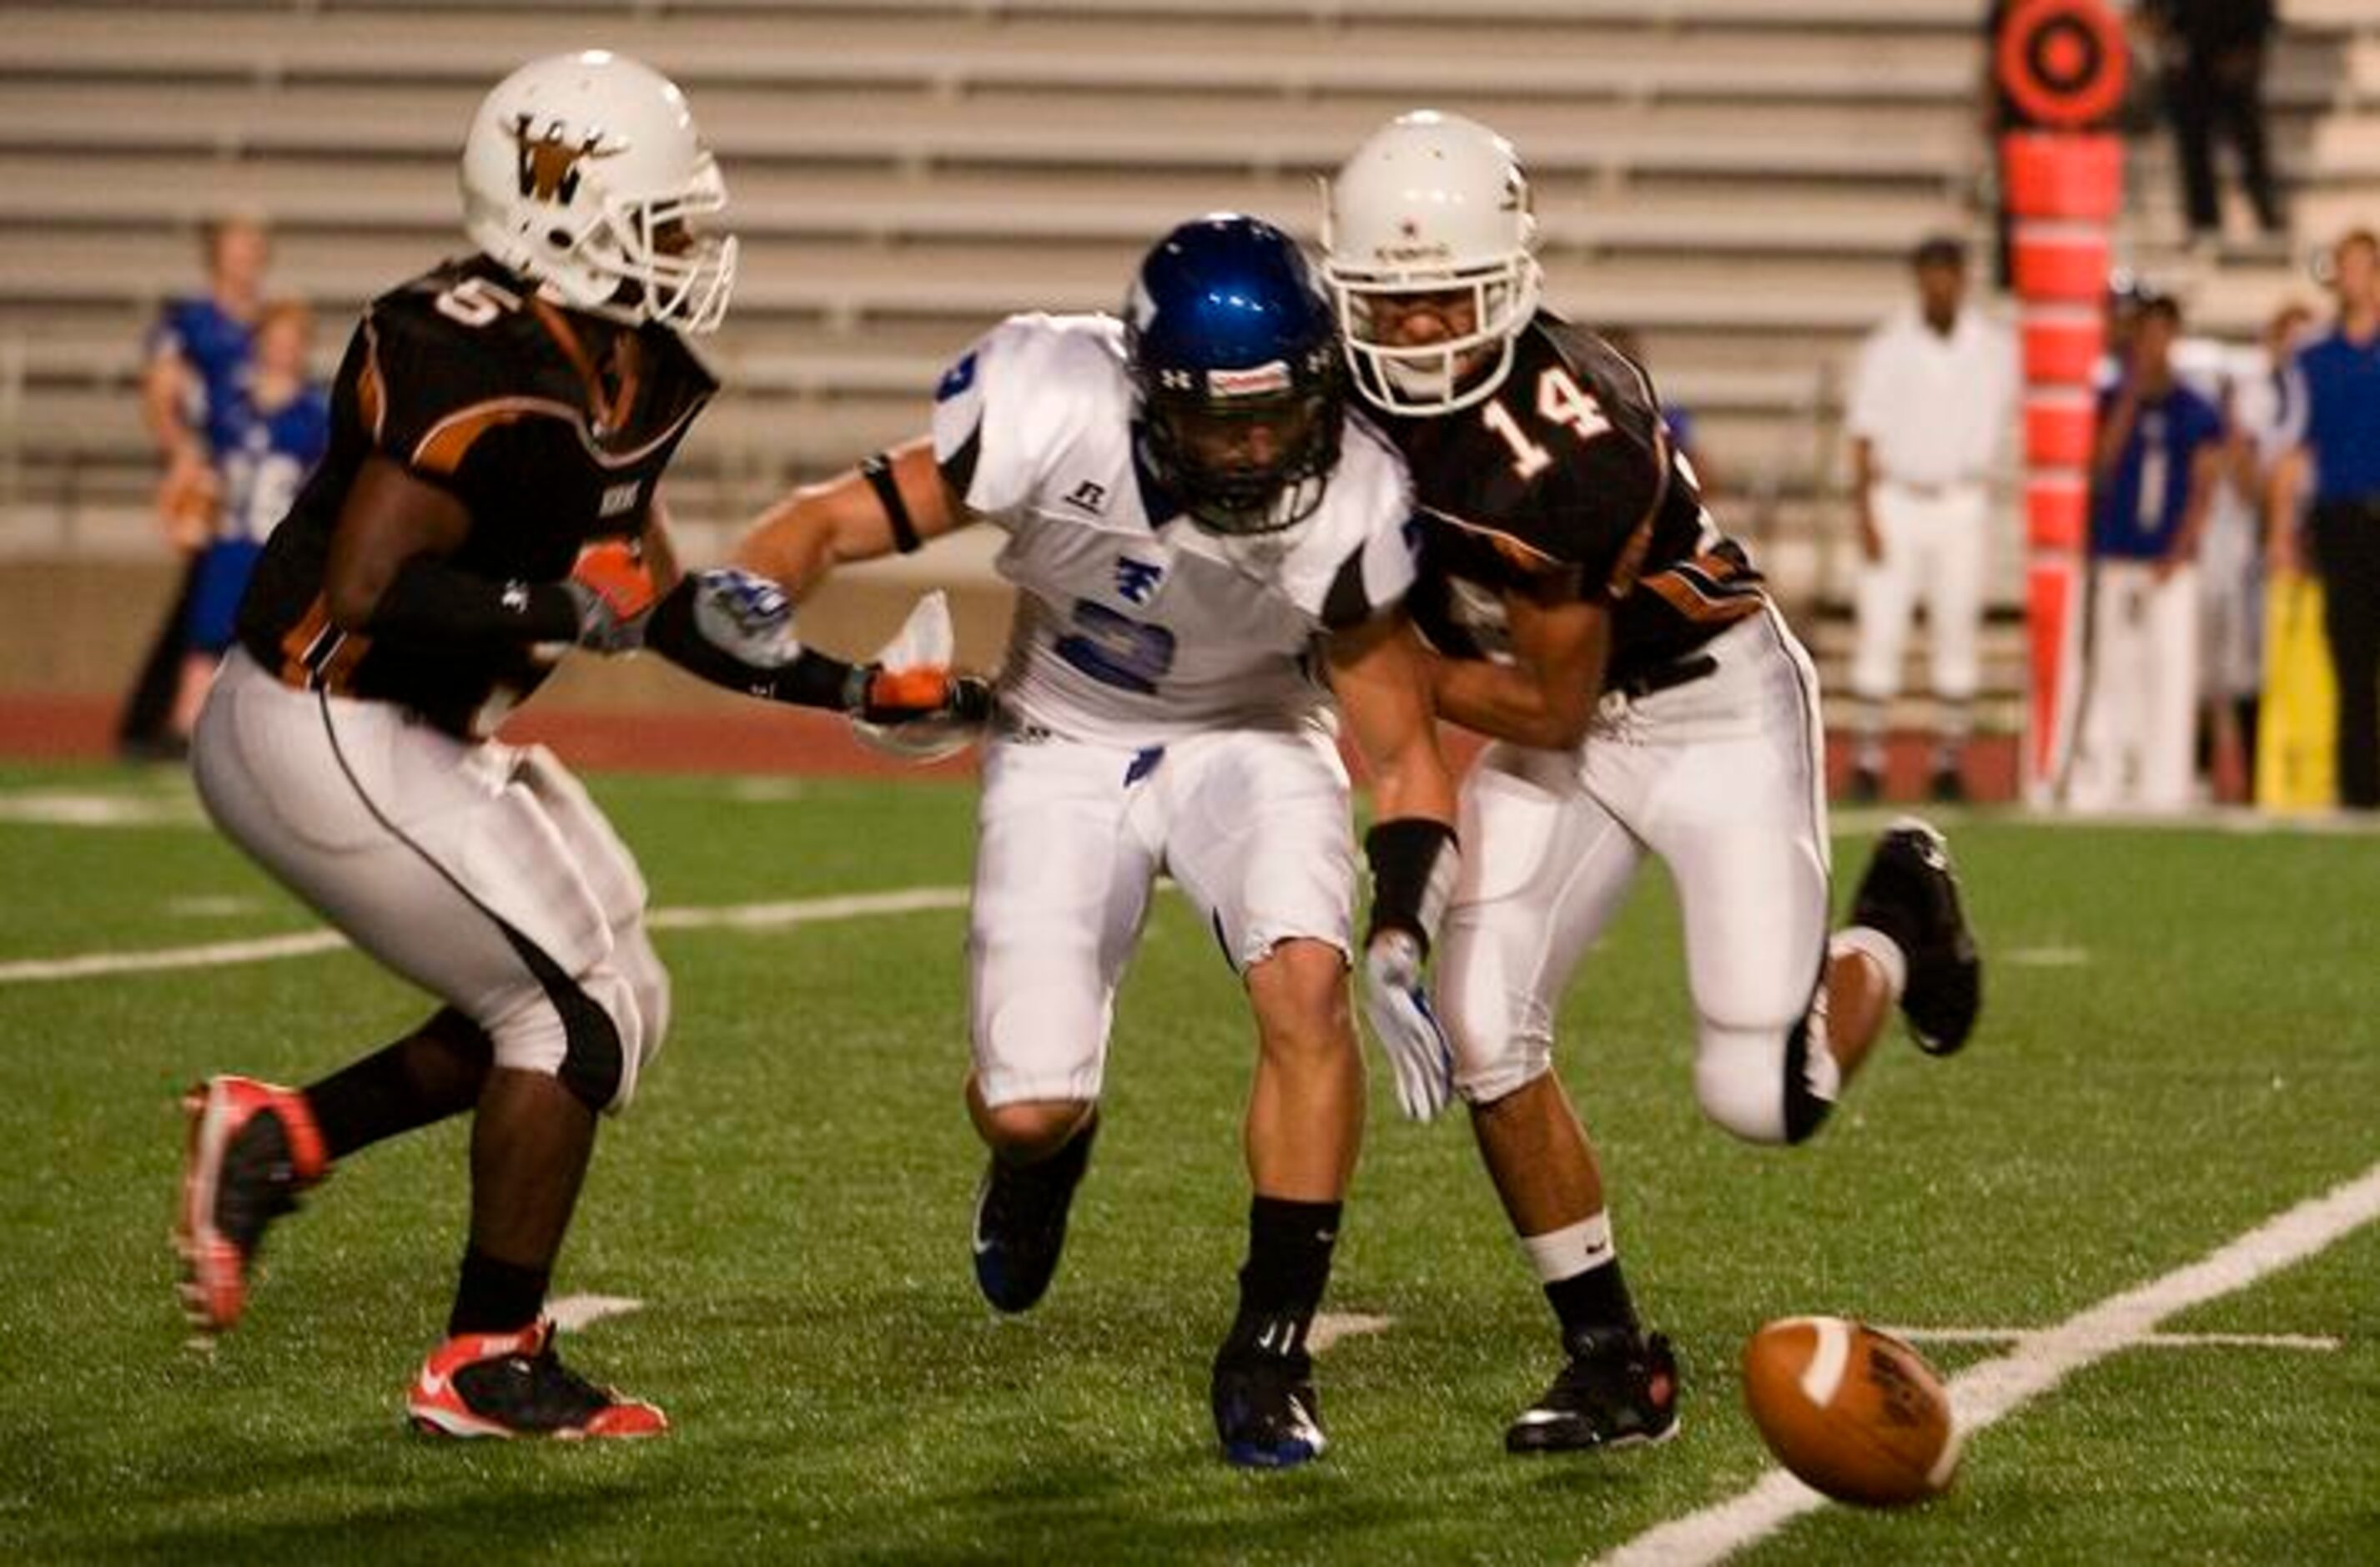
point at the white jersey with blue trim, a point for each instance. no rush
(1133, 626)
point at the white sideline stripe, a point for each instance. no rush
(211, 955)
(737, 917)
(2320, 1342)
(571, 1313)
(1983, 1392)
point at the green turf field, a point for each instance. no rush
(2180, 1040)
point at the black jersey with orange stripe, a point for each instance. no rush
(531, 415)
(1564, 485)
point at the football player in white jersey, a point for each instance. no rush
(1644, 697)
(1206, 548)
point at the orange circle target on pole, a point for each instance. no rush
(2062, 62)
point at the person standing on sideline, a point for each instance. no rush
(198, 358)
(2158, 459)
(263, 444)
(2334, 404)
(1931, 402)
(2215, 52)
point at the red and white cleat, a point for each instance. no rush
(514, 1385)
(253, 1149)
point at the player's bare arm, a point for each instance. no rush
(385, 574)
(1546, 696)
(1378, 671)
(894, 502)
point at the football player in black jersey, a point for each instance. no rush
(499, 427)
(1643, 697)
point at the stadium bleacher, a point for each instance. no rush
(1736, 179)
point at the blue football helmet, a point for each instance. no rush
(1235, 365)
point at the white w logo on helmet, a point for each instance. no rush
(585, 173)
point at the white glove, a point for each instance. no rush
(745, 616)
(1398, 1007)
(925, 640)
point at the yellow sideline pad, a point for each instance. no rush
(2297, 725)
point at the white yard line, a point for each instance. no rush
(572, 1313)
(2148, 1340)
(1983, 1393)
(736, 917)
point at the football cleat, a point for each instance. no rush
(514, 1385)
(1911, 894)
(1619, 1388)
(1264, 1412)
(1020, 1221)
(253, 1149)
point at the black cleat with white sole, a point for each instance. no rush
(1911, 893)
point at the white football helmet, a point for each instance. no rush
(1432, 203)
(585, 173)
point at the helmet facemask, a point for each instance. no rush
(1431, 204)
(1453, 372)
(1247, 462)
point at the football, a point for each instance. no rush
(1856, 1414)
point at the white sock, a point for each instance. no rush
(1878, 949)
(1571, 1250)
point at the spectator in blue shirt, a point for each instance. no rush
(264, 438)
(2159, 458)
(2334, 401)
(197, 355)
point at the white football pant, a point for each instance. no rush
(481, 872)
(1719, 778)
(1252, 826)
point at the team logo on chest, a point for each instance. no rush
(1137, 581)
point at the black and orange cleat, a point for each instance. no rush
(514, 1385)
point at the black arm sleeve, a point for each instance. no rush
(431, 602)
(811, 680)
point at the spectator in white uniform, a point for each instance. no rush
(1930, 406)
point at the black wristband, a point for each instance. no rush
(429, 601)
(878, 471)
(1412, 861)
(811, 680)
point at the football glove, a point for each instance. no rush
(912, 729)
(615, 591)
(901, 700)
(745, 616)
(1398, 1007)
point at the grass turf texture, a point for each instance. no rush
(790, 1200)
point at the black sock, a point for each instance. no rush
(495, 1296)
(1595, 1299)
(429, 1075)
(1281, 1283)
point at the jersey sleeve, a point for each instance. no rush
(999, 412)
(1376, 574)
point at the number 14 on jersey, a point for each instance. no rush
(1561, 400)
